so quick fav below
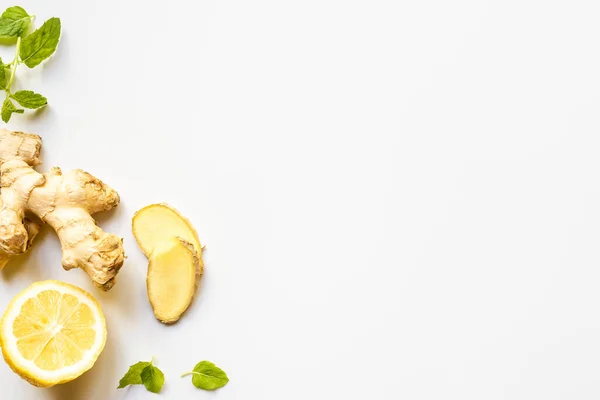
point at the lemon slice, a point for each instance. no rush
(52, 332)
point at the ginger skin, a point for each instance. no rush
(63, 201)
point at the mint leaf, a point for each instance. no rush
(8, 108)
(41, 44)
(144, 373)
(15, 13)
(29, 99)
(14, 22)
(153, 379)
(133, 376)
(2, 75)
(208, 376)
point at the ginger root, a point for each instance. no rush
(64, 201)
(175, 259)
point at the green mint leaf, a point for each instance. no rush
(8, 109)
(14, 22)
(29, 99)
(208, 376)
(134, 375)
(15, 13)
(153, 379)
(41, 44)
(2, 75)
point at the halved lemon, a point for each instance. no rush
(52, 332)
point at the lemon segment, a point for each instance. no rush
(52, 332)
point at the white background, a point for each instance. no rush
(400, 199)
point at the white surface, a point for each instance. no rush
(399, 199)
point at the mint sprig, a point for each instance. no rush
(207, 376)
(144, 373)
(31, 50)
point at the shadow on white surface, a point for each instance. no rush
(33, 115)
(118, 300)
(196, 305)
(27, 264)
(104, 217)
(94, 384)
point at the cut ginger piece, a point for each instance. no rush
(173, 272)
(175, 254)
(156, 224)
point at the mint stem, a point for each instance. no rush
(14, 64)
(187, 373)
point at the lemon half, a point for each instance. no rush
(52, 332)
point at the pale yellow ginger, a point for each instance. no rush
(157, 223)
(32, 228)
(173, 276)
(64, 201)
(175, 259)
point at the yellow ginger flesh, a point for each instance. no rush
(172, 279)
(175, 259)
(157, 223)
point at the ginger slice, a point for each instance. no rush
(155, 224)
(173, 272)
(168, 240)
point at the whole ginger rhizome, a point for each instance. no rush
(63, 201)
